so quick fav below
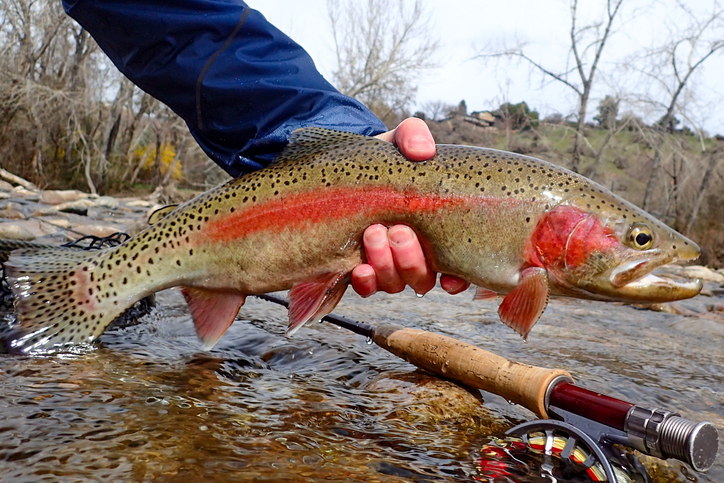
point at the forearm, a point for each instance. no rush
(240, 84)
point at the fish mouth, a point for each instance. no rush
(652, 289)
(635, 282)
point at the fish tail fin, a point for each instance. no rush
(62, 298)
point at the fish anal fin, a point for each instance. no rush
(213, 312)
(484, 294)
(522, 307)
(312, 300)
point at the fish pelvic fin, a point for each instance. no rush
(213, 312)
(522, 307)
(60, 301)
(312, 300)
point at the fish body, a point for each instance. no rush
(510, 224)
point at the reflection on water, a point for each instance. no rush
(325, 405)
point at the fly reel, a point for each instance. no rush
(548, 450)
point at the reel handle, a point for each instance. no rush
(656, 432)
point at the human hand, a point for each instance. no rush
(394, 256)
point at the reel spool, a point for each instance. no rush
(552, 450)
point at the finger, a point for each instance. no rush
(379, 256)
(413, 138)
(410, 260)
(453, 285)
(364, 280)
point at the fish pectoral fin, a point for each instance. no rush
(522, 307)
(213, 312)
(484, 294)
(312, 300)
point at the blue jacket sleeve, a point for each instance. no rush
(241, 85)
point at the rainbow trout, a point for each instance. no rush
(512, 225)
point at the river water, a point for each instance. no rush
(326, 405)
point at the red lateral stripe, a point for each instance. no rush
(306, 208)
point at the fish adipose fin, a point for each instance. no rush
(58, 302)
(213, 312)
(522, 307)
(310, 301)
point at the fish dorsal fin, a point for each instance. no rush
(522, 307)
(160, 213)
(314, 140)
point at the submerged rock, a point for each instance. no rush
(424, 396)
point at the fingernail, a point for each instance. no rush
(400, 236)
(420, 143)
(375, 237)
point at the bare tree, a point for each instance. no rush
(672, 67)
(58, 125)
(607, 119)
(714, 161)
(437, 110)
(586, 48)
(381, 48)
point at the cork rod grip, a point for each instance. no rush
(519, 383)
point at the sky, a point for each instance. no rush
(466, 27)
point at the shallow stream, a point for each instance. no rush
(326, 405)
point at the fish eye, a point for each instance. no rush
(640, 236)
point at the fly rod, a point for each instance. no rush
(549, 393)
